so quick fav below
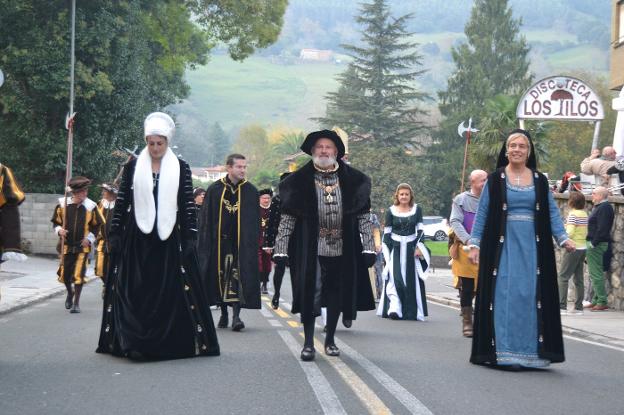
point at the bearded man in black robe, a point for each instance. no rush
(229, 224)
(324, 208)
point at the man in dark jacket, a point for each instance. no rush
(325, 207)
(599, 235)
(229, 223)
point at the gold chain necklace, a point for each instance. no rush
(328, 190)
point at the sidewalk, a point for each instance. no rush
(605, 327)
(25, 283)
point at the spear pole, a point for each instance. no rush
(69, 124)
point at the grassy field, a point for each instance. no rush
(260, 90)
(437, 248)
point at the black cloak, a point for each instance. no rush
(298, 199)
(550, 345)
(154, 303)
(249, 228)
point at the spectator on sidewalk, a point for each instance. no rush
(572, 262)
(598, 237)
(598, 165)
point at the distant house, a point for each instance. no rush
(208, 174)
(317, 55)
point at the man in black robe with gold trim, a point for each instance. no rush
(229, 223)
(11, 196)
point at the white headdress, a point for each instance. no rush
(159, 123)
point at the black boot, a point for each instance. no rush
(275, 300)
(69, 300)
(223, 320)
(237, 323)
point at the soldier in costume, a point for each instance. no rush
(465, 273)
(77, 220)
(264, 254)
(11, 196)
(325, 209)
(102, 250)
(228, 243)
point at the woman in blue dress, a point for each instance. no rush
(517, 321)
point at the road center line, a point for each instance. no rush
(369, 399)
(322, 389)
(413, 404)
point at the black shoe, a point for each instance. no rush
(393, 316)
(237, 324)
(75, 309)
(332, 350)
(275, 302)
(347, 323)
(69, 301)
(223, 321)
(308, 353)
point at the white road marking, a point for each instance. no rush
(413, 404)
(274, 323)
(322, 389)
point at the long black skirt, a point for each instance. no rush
(154, 303)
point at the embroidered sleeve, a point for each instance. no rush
(187, 209)
(285, 230)
(366, 231)
(122, 205)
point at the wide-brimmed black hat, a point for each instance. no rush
(312, 138)
(77, 183)
(265, 192)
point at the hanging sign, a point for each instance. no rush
(560, 98)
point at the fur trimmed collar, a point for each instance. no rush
(87, 203)
(144, 204)
(395, 211)
(298, 195)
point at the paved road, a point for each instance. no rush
(48, 366)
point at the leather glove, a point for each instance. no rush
(114, 244)
(369, 259)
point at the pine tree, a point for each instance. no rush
(377, 96)
(494, 61)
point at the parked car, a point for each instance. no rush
(436, 228)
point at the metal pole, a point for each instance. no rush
(596, 134)
(70, 143)
(522, 124)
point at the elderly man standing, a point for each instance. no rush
(462, 217)
(325, 207)
(598, 237)
(598, 165)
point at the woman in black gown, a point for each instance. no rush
(154, 305)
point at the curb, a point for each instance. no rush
(53, 292)
(567, 330)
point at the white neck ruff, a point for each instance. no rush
(144, 204)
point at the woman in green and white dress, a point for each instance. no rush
(407, 260)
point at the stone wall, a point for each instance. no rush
(614, 278)
(38, 237)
